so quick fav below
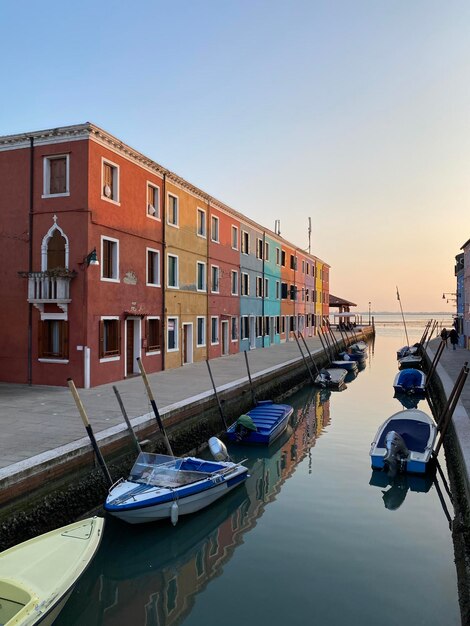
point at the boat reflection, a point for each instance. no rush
(400, 485)
(151, 574)
(408, 401)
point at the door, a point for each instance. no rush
(252, 332)
(187, 343)
(129, 347)
(225, 349)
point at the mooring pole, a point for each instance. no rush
(310, 355)
(446, 416)
(154, 406)
(305, 360)
(216, 395)
(325, 349)
(89, 430)
(436, 358)
(253, 397)
(126, 419)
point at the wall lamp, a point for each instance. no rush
(448, 296)
(91, 258)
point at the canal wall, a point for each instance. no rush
(65, 484)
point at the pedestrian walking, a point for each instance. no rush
(444, 335)
(454, 338)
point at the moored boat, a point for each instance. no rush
(349, 365)
(161, 486)
(410, 380)
(38, 575)
(411, 360)
(262, 424)
(331, 377)
(404, 442)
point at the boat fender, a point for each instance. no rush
(174, 513)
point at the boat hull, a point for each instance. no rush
(270, 419)
(350, 366)
(334, 377)
(410, 380)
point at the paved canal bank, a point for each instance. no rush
(46, 456)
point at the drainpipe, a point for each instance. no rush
(164, 272)
(208, 325)
(30, 261)
(263, 290)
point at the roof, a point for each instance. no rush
(336, 301)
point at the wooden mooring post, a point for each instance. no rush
(444, 420)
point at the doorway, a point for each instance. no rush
(225, 344)
(187, 343)
(252, 332)
(132, 345)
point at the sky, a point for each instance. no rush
(354, 113)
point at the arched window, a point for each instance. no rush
(54, 248)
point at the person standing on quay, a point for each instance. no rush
(454, 338)
(444, 335)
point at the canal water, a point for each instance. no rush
(313, 537)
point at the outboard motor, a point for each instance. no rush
(396, 452)
(218, 449)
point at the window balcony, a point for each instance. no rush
(49, 287)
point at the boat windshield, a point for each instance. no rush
(161, 470)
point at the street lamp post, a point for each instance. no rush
(369, 313)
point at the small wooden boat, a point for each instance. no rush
(410, 380)
(261, 425)
(350, 366)
(38, 575)
(404, 442)
(331, 377)
(412, 360)
(359, 346)
(161, 486)
(353, 356)
(407, 351)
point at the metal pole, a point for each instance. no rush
(89, 430)
(154, 406)
(305, 360)
(216, 395)
(310, 355)
(127, 420)
(455, 395)
(253, 397)
(436, 358)
(404, 323)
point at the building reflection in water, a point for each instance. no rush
(151, 574)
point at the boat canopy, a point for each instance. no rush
(161, 470)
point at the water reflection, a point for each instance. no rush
(151, 574)
(399, 486)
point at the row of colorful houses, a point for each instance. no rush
(107, 257)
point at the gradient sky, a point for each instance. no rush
(353, 113)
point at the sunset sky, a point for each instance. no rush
(353, 113)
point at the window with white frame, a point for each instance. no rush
(201, 332)
(214, 330)
(303, 266)
(245, 329)
(278, 286)
(110, 181)
(245, 284)
(266, 288)
(109, 259)
(259, 248)
(56, 175)
(278, 325)
(172, 334)
(173, 209)
(215, 229)
(307, 268)
(266, 251)
(110, 337)
(234, 283)
(201, 275)
(173, 279)
(234, 237)
(153, 201)
(201, 223)
(154, 332)
(215, 275)
(283, 258)
(259, 286)
(234, 328)
(278, 256)
(245, 242)
(53, 339)
(153, 267)
(259, 326)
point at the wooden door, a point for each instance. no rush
(130, 347)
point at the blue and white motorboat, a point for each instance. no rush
(353, 356)
(345, 364)
(411, 360)
(404, 442)
(331, 377)
(410, 380)
(359, 346)
(161, 486)
(262, 424)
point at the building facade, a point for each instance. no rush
(107, 257)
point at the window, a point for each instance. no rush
(215, 229)
(53, 339)
(201, 331)
(201, 276)
(234, 237)
(278, 256)
(172, 334)
(293, 262)
(266, 325)
(234, 328)
(266, 288)
(214, 279)
(153, 201)
(153, 334)
(278, 286)
(173, 271)
(214, 330)
(283, 291)
(109, 259)
(303, 267)
(201, 223)
(110, 181)
(307, 295)
(307, 268)
(283, 324)
(172, 210)
(259, 286)
(234, 283)
(259, 326)
(277, 325)
(56, 175)
(283, 258)
(245, 330)
(245, 286)
(259, 248)
(293, 292)
(153, 268)
(266, 251)
(110, 338)
(303, 294)
(245, 242)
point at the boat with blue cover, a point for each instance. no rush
(161, 486)
(345, 364)
(404, 442)
(262, 424)
(410, 380)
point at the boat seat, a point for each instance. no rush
(415, 434)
